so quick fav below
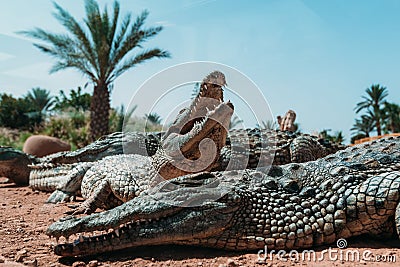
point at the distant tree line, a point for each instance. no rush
(29, 111)
(376, 114)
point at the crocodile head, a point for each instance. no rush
(14, 165)
(195, 139)
(209, 95)
(172, 212)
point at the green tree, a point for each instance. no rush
(118, 117)
(267, 125)
(101, 49)
(364, 126)
(76, 100)
(391, 117)
(153, 118)
(337, 137)
(41, 102)
(235, 121)
(40, 98)
(14, 113)
(373, 102)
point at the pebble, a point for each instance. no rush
(32, 263)
(2, 259)
(93, 263)
(20, 255)
(231, 263)
(79, 264)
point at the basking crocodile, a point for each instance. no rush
(299, 205)
(45, 173)
(116, 179)
(205, 120)
(14, 163)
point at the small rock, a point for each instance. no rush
(93, 263)
(231, 263)
(78, 264)
(2, 259)
(32, 263)
(20, 255)
(222, 265)
(200, 263)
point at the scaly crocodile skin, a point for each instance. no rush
(352, 192)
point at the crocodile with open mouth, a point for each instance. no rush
(295, 206)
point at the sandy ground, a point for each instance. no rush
(24, 218)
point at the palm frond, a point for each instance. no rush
(137, 59)
(73, 27)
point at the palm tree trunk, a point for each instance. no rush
(378, 126)
(99, 112)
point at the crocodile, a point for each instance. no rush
(205, 120)
(295, 206)
(63, 172)
(116, 179)
(14, 164)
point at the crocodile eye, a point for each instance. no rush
(270, 184)
(290, 185)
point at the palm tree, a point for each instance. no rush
(41, 102)
(235, 121)
(392, 117)
(40, 99)
(153, 118)
(338, 137)
(101, 49)
(267, 125)
(364, 126)
(375, 98)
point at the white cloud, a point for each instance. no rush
(164, 23)
(5, 56)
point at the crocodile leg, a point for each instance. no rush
(96, 199)
(70, 183)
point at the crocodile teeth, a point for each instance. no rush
(116, 232)
(81, 238)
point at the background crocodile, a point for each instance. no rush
(299, 205)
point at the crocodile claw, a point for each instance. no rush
(60, 196)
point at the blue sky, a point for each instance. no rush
(315, 57)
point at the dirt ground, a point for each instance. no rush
(24, 218)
